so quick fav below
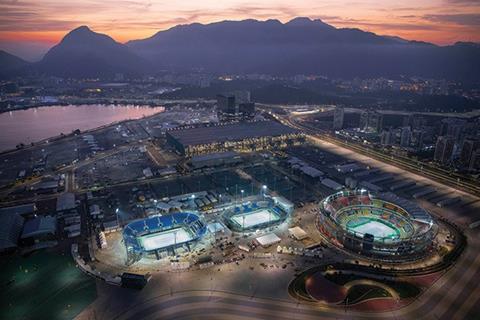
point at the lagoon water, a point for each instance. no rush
(35, 124)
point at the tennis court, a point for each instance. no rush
(250, 219)
(165, 239)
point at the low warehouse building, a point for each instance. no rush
(241, 137)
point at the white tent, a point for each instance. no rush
(298, 233)
(268, 239)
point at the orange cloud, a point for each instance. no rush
(438, 21)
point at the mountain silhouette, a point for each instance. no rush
(84, 53)
(301, 46)
(10, 64)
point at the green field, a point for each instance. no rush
(404, 289)
(43, 286)
(362, 292)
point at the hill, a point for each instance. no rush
(302, 46)
(84, 53)
(10, 64)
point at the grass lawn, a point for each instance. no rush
(365, 292)
(404, 289)
(43, 286)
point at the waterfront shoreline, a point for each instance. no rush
(60, 136)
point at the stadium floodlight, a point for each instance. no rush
(264, 190)
(243, 226)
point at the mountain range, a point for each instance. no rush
(10, 64)
(300, 46)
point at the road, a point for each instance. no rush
(437, 174)
(230, 295)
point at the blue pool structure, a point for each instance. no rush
(159, 234)
(258, 214)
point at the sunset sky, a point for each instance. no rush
(29, 27)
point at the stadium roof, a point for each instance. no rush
(230, 132)
(412, 208)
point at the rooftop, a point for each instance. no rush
(268, 239)
(214, 156)
(230, 132)
(20, 209)
(39, 226)
(66, 201)
(10, 228)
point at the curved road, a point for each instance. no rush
(456, 295)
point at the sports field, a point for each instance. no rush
(43, 286)
(164, 239)
(255, 218)
(373, 227)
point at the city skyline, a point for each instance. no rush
(29, 29)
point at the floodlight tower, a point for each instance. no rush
(174, 239)
(236, 194)
(192, 197)
(269, 217)
(243, 227)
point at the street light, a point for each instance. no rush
(242, 191)
(193, 200)
(175, 239)
(243, 226)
